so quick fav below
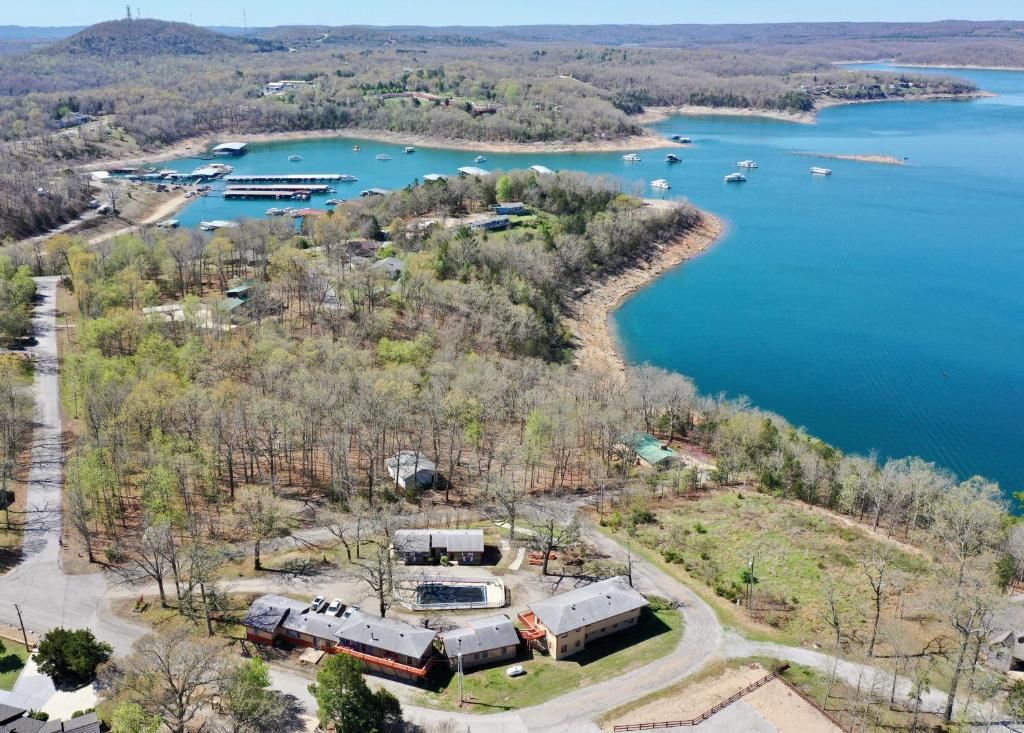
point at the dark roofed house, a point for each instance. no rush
(267, 613)
(483, 641)
(569, 620)
(418, 546)
(15, 720)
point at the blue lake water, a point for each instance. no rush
(881, 308)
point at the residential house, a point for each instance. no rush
(16, 720)
(512, 208)
(419, 546)
(649, 449)
(491, 225)
(569, 621)
(392, 267)
(411, 467)
(266, 614)
(484, 641)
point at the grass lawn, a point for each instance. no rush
(12, 661)
(491, 690)
(226, 622)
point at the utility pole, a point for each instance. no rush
(24, 635)
(245, 23)
(750, 584)
(461, 699)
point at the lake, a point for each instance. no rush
(881, 307)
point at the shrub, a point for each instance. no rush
(672, 555)
(71, 656)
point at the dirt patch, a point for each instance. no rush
(787, 711)
(692, 700)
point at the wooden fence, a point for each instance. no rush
(777, 674)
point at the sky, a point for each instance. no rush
(520, 12)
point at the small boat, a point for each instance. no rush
(383, 156)
(631, 158)
(821, 171)
(275, 212)
(672, 158)
(333, 202)
(294, 158)
(209, 226)
(681, 139)
(346, 178)
(735, 178)
(356, 148)
(409, 149)
(662, 184)
(479, 159)
(746, 164)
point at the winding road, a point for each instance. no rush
(49, 598)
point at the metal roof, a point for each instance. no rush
(387, 634)
(472, 170)
(230, 146)
(481, 634)
(649, 448)
(267, 612)
(584, 606)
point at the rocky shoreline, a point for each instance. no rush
(587, 317)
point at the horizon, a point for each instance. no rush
(256, 14)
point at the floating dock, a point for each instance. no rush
(314, 188)
(265, 193)
(291, 178)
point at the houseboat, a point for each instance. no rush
(662, 184)
(383, 156)
(294, 158)
(821, 171)
(479, 159)
(681, 139)
(746, 164)
(735, 178)
(631, 158)
(672, 158)
(409, 149)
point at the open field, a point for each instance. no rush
(490, 690)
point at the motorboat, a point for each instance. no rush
(681, 139)
(746, 164)
(672, 158)
(294, 158)
(409, 149)
(383, 156)
(356, 148)
(631, 158)
(735, 178)
(821, 171)
(480, 159)
(662, 184)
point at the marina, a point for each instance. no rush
(291, 178)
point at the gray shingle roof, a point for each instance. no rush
(267, 612)
(9, 713)
(584, 606)
(481, 634)
(388, 634)
(11, 721)
(452, 540)
(320, 625)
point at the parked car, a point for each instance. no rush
(515, 670)
(318, 604)
(335, 608)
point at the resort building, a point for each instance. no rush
(387, 645)
(420, 546)
(409, 467)
(569, 621)
(484, 641)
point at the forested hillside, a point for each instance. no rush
(142, 37)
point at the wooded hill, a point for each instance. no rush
(146, 37)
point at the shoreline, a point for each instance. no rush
(194, 146)
(911, 65)
(659, 114)
(588, 317)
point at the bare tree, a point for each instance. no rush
(505, 501)
(377, 572)
(555, 527)
(259, 517)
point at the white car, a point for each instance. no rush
(335, 608)
(318, 604)
(515, 670)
